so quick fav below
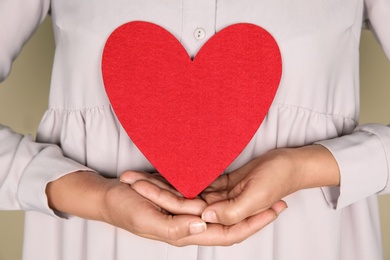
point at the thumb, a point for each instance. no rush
(231, 211)
(242, 201)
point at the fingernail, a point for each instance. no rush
(210, 216)
(125, 181)
(278, 212)
(197, 227)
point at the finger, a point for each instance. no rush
(226, 194)
(220, 235)
(131, 177)
(221, 183)
(228, 181)
(168, 200)
(245, 201)
(219, 189)
(279, 206)
(214, 197)
(168, 228)
(227, 188)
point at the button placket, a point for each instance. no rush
(198, 24)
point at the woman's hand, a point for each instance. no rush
(261, 184)
(91, 196)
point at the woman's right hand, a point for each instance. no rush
(91, 196)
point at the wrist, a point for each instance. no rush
(79, 193)
(312, 166)
(318, 166)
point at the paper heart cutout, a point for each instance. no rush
(191, 118)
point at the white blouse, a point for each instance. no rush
(317, 101)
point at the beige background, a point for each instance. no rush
(23, 99)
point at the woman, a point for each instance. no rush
(329, 182)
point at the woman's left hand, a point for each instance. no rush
(262, 183)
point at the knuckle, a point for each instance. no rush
(181, 202)
(177, 243)
(229, 238)
(227, 181)
(232, 216)
(173, 234)
(230, 241)
(215, 196)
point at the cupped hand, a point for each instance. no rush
(261, 184)
(252, 189)
(167, 218)
(91, 196)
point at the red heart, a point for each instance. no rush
(191, 118)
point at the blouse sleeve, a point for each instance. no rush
(18, 19)
(25, 166)
(364, 156)
(25, 169)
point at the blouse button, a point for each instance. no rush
(199, 33)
